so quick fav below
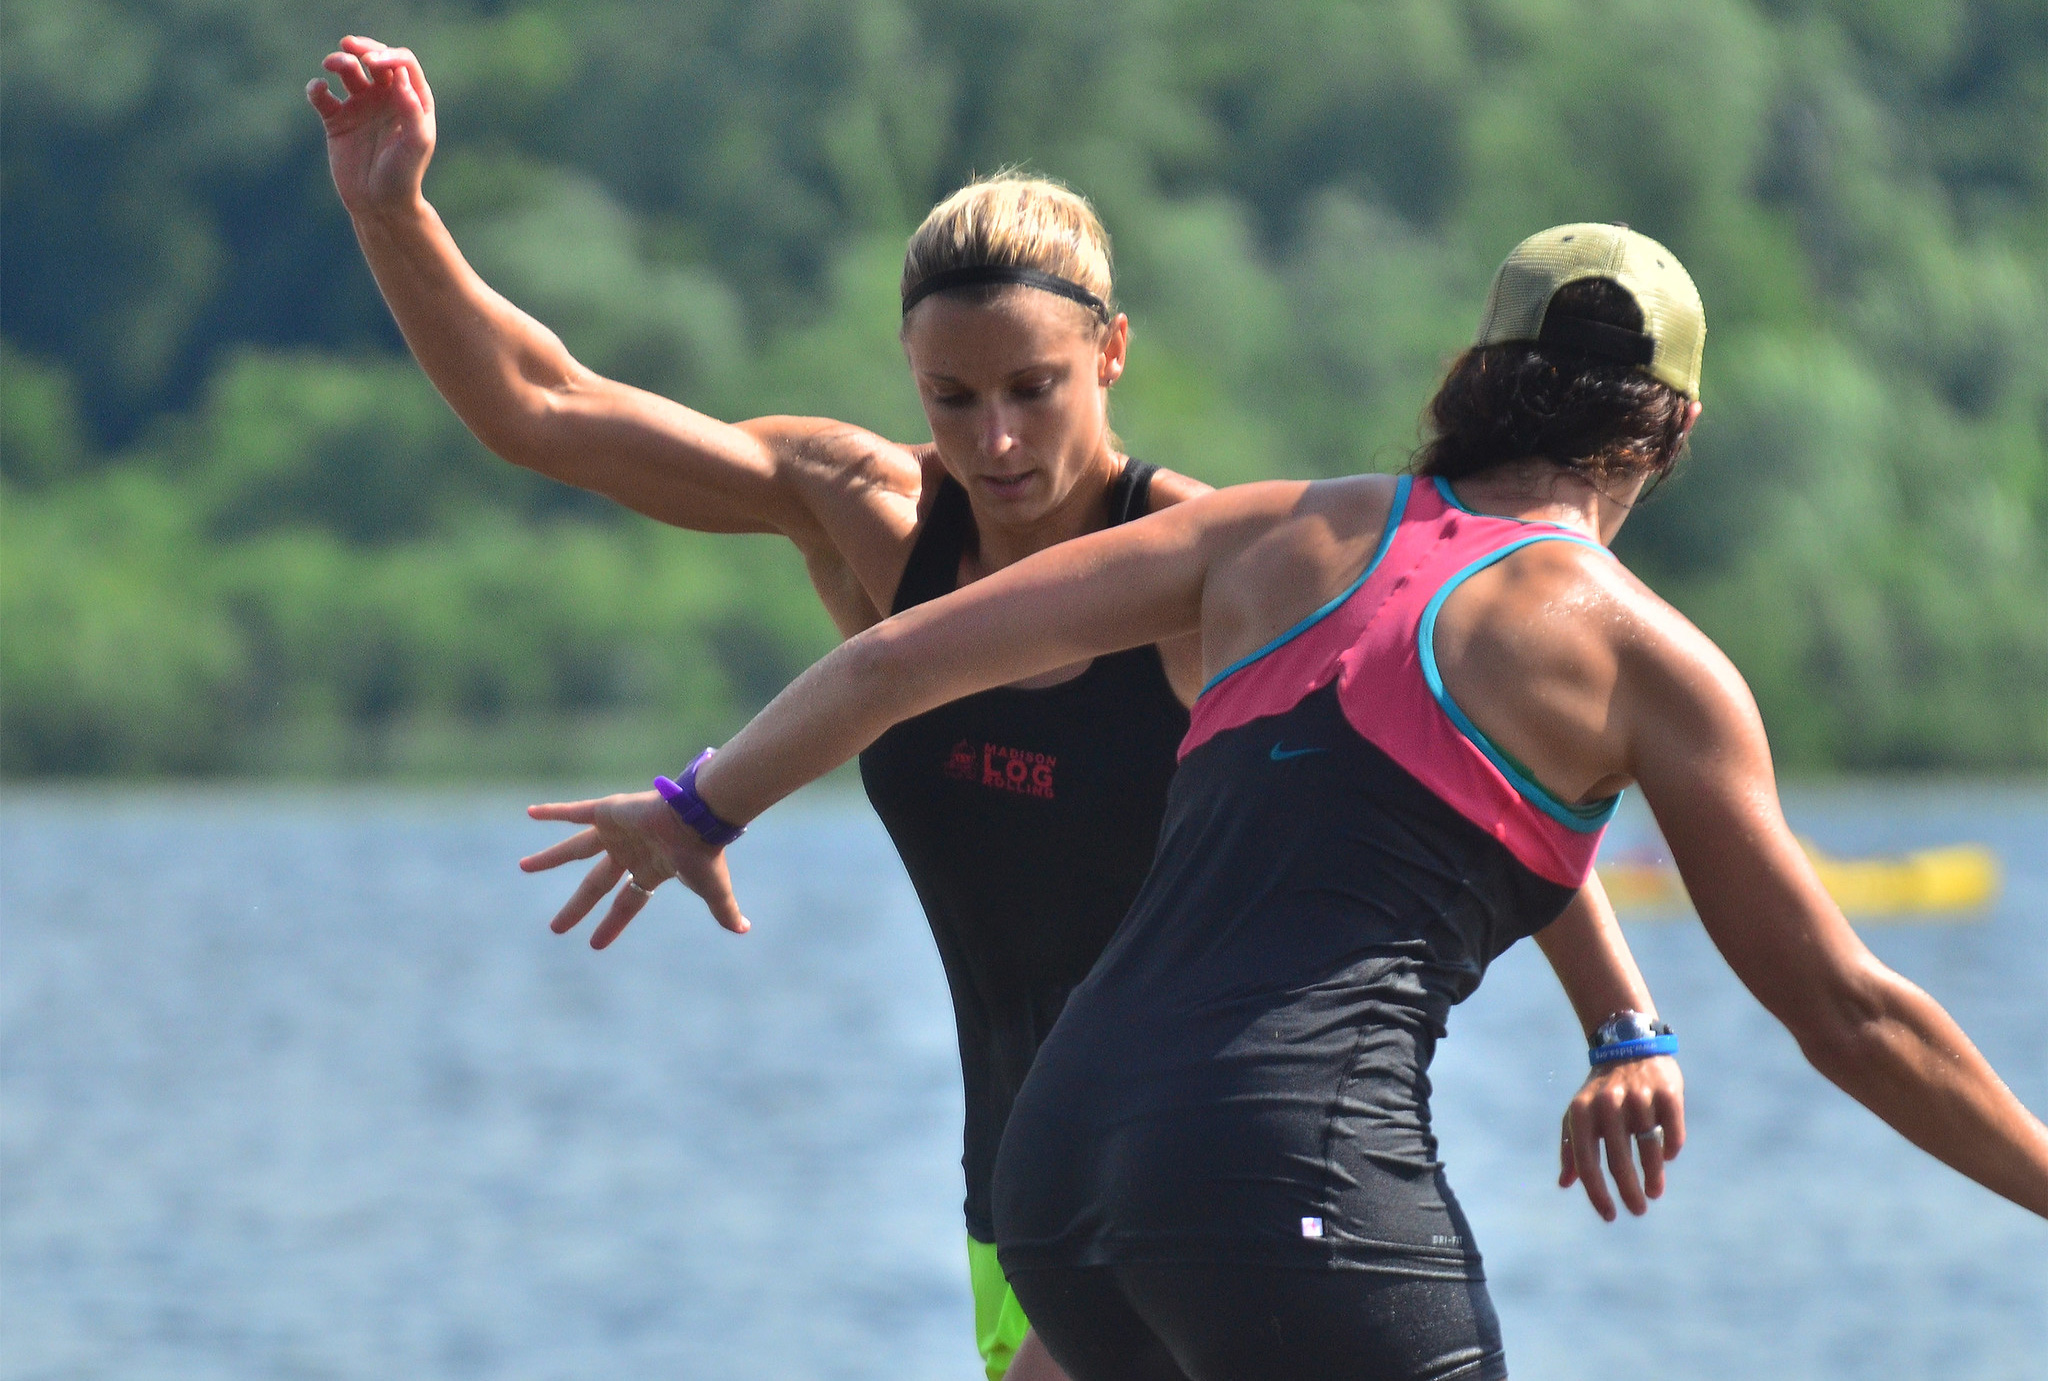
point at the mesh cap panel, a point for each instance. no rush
(1673, 316)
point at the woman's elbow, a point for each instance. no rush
(872, 655)
(534, 426)
(899, 668)
(1840, 1018)
(876, 664)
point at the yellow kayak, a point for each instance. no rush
(1942, 883)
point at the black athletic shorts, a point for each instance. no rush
(1223, 1322)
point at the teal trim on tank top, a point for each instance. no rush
(1443, 487)
(1400, 506)
(1585, 819)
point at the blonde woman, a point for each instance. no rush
(1026, 814)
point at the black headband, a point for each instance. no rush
(977, 274)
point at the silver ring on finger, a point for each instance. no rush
(1654, 1134)
(633, 885)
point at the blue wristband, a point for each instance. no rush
(1641, 1048)
(683, 798)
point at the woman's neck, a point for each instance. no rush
(1537, 490)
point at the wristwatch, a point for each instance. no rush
(1630, 1036)
(697, 814)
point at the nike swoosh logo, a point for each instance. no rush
(1280, 754)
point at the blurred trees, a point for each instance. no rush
(238, 531)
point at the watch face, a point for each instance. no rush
(1625, 1026)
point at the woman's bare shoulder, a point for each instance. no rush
(1666, 661)
(857, 499)
(1644, 627)
(1352, 502)
(1286, 529)
(1580, 621)
(1281, 549)
(819, 452)
(1170, 487)
(1558, 599)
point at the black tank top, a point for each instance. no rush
(1027, 821)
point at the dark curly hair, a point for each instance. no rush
(1608, 421)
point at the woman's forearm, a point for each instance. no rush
(516, 386)
(1137, 583)
(1632, 1110)
(1131, 585)
(1585, 947)
(834, 709)
(510, 379)
(893, 671)
(1699, 753)
(1895, 1050)
(491, 361)
(1868, 1030)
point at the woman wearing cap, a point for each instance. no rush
(1026, 815)
(1424, 696)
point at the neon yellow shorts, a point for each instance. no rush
(999, 1322)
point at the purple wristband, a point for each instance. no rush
(683, 797)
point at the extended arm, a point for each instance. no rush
(1123, 587)
(1701, 757)
(508, 377)
(1638, 1105)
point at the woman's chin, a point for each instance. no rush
(1011, 493)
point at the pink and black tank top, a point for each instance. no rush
(1375, 644)
(1244, 1074)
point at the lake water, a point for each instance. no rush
(298, 1085)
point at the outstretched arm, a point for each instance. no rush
(1123, 587)
(508, 377)
(1699, 752)
(1637, 1106)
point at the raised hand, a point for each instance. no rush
(1637, 1104)
(641, 839)
(381, 133)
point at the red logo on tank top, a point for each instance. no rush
(1002, 769)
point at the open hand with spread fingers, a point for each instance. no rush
(638, 839)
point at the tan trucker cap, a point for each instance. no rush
(1674, 333)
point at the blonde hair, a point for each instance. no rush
(1011, 220)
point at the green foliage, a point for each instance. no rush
(41, 439)
(136, 644)
(238, 532)
(360, 448)
(1852, 549)
(115, 659)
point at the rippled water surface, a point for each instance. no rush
(298, 1085)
